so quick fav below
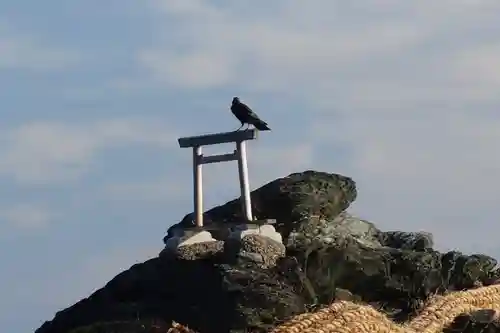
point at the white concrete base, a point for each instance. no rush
(266, 230)
(178, 241)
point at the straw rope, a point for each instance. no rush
(348, 317)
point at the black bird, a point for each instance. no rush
(246, 116)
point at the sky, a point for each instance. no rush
(402, 96)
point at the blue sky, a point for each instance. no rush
(401, 96)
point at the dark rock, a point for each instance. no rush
(480, 321)
(417, 241)
(218, 295)
(484, 316)
(399, 279)
(462, 271)
(345, 295)
(137, 326)
(251, 285)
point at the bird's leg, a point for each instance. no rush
(240, 127)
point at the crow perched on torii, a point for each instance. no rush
(246, 116)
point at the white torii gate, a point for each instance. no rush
(239, 154)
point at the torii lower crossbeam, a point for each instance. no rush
(196, 142)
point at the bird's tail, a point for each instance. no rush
(261, 126)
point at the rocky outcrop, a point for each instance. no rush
(253, 284)
(291, 201)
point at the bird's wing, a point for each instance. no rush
(249, 111)
(238, 112)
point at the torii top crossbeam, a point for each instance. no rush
(217, 138)
(196, 142)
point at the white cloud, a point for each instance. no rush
(269, 163)
(29, 52)
(330, 50)
(26, 216)
(191, 71)
(479, 66)
(41, 152)
(158, 191)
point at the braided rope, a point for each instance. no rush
(348, 317)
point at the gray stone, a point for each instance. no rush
(196, 251)
(243, 230)
(268, 249)
(189, 239)
(417, 241)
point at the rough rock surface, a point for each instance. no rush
(290, 200)
(479, 321)
(254, 284)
